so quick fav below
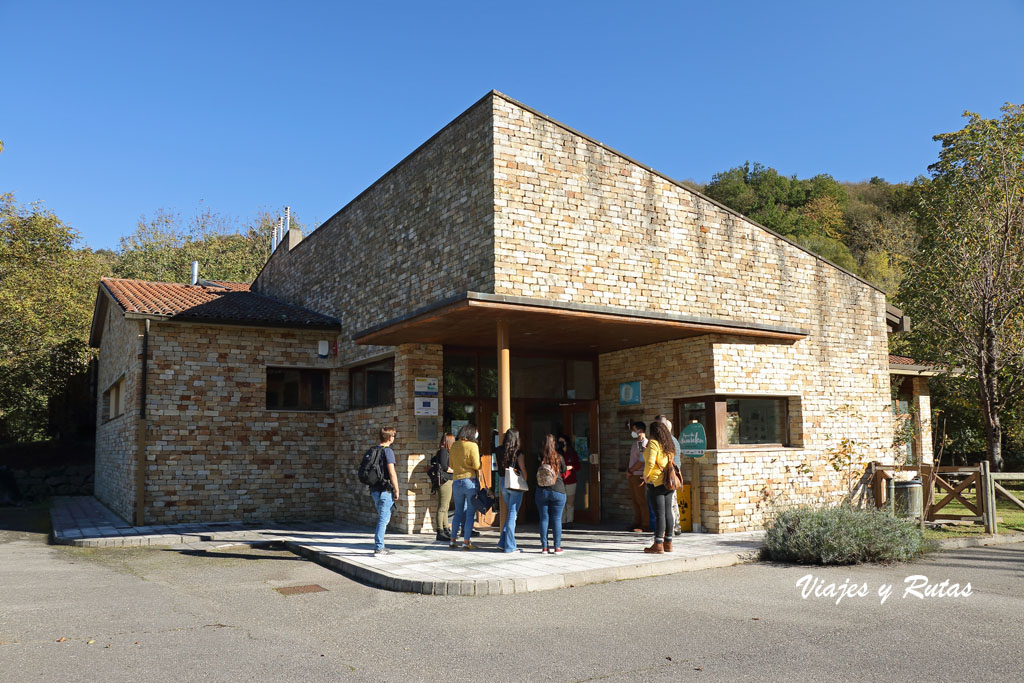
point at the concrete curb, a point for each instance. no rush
(977, 542)
(483, 587)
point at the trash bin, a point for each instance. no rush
(907, 498)
(683, 496)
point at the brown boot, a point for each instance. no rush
(668, 545)
(656, 548)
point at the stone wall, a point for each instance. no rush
(116, 438)
(420, 234)
(638, 241)
(357, 431)
(215, 452)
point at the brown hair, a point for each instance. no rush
(549, 456)
(510, 448)
(468, 433)
(446, 441)
(386, 433)
(660, 433)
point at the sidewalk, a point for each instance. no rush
(419, 564)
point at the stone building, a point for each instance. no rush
(529, 275)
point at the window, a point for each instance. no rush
(297, 389)
(114, 400)
(372, 384)
(474, 374)
(755, 421)
(737, 421)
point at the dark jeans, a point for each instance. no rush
(660, 499)
(549, 508)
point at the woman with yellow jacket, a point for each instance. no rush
(464, 459)
(659, 453)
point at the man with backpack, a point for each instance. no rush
(377, 470)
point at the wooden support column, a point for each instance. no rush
(504, 399)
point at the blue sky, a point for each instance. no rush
(113, 110)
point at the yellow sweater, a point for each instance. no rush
(464, 459)
(655, 462)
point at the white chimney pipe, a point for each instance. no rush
(195, 272)
(287, 219)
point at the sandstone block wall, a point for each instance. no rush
(357, 431)
(116, 439)
(640, 242)
(215, 452)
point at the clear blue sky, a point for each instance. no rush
(113, 110)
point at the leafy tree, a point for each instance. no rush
(163, 247)
(965, 289)
(47, 290)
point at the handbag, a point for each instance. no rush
(514, 481)
(483, 501)
(673, 478)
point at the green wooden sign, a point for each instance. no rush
(693, 441)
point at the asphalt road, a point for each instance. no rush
(174, 615)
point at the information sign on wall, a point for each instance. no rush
(629, 393)
(426, 406)
(425, 386)
(693, 441)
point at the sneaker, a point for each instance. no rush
(382, 551)
(557, 551)
(469, 546)
(453, 545)
(543, 550)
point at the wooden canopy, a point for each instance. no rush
(543, 325)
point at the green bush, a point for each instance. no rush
(841, 535)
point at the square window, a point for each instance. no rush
(297, 389)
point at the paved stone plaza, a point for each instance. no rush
(419, 564)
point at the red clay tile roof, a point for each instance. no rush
(231, 302)
(902, 360)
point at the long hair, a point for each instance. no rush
(446, 441)
(660, 433)
(510, 448)
(549, 456)
(468, 432)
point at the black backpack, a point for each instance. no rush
(434, 473)
(371, 469)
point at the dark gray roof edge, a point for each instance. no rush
(184, 319)
(581, 308)
(677, 183)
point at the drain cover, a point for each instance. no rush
(296, 590)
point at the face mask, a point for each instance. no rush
(635, 435)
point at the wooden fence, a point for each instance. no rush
(976, 488)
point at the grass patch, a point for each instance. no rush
(842, 535)
(1012, 516)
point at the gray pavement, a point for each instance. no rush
(187, 614)
(419, 563)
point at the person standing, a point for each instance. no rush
(464, 460)
(572, 464)
(510, 455)
(643, 511)
(657, 456)
(444, 489)
(550, 494)
(385, 494)
(679, 463)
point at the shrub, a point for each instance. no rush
(841, 535)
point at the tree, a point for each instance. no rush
(965, 289)
(47, 290)
(163, 247)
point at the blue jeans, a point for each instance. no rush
(550, 505)
(463, 491)
(513, 499)
(383, 501)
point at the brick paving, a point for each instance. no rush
(418, 563)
